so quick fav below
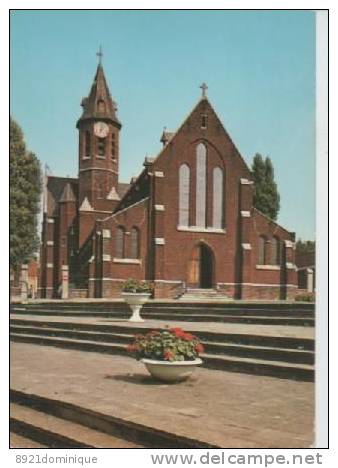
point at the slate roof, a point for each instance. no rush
(122, 189)
(55, 190)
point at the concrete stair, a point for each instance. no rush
(252, 313)
(281, 357)
(51, 423)
(201, 294)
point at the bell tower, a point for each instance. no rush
(99, 130)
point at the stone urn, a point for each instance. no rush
(171, 371)
(135, 302)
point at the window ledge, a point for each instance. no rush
(134, 261)
(201, 229)
(267, 267)
(100, 157)
(85, 157)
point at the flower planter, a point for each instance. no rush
(135, 302)
(174, 371)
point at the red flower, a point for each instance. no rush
(178, 332)
(199, 348)
(168, 355)
(188, 337)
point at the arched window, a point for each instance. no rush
(87, 144)
(135, 243)
(217, 199)
(262, 250)
(101, 146)
(113, 146)
(275, 251)
(184, 192)
(119, 242)
(201, 166)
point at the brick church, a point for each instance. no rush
(187, 222)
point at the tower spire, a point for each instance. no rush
(99, 103)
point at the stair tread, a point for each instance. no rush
(258, 361)
(69, 429)
(206, 355)
(59, 329)
(130, 335)
(74, 340)
(19, 441)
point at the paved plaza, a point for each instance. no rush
(230, 410)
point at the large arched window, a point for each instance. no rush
(201, 166)
(275, 251)
(217, 199)
(119, 242)
(262, 250)
(184, 192)
(135, 243)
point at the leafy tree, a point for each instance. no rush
(266, 197)
(305, 246)
(25, 189)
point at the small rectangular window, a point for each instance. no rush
(204, 121)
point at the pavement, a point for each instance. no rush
(232, 328)
(227, 409)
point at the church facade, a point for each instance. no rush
(186, 222)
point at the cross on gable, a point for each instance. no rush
(204, 88)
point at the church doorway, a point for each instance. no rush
(201, 267)
(206, 267)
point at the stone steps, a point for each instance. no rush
(57, 424)
(55, 432)
(285, 342)
(227, 362)
(193, 315)
(222, 348)
(227, 305)
(18, 441)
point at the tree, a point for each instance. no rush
(25, 190)
(303, 247)
(266, 197)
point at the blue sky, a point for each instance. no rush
(259, 66)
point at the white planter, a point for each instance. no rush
(135, 302)
(175, 371)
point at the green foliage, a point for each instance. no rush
(136, 286)
(305, 246)
(266, 197)
(171, 345)
(25, 190)
(306, 297)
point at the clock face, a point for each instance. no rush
(101, 129)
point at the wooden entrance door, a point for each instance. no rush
(200, 267)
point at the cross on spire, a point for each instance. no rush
(100, 55)
(204, 88)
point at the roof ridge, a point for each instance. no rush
(270, 219)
